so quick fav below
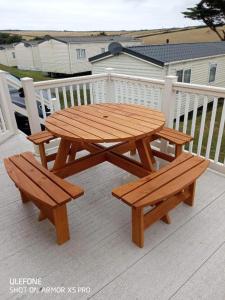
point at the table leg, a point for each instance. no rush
(63, 151)
(75, 147)
(43, 155)
(132, 148)
(145, 153)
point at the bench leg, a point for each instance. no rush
(42, 216)
(43, 156)
(72, 157)
(178, 150)
(138, 226)
(73, 151)
(133, 149)
(24, 197)
(61, 224)
(166, 219)
(190, 200)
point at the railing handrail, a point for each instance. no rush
(68, 81)
(6, 106)
(199, 89)
(13, 83)
(160, 82)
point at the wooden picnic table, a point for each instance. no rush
(89, 126)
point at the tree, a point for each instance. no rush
(102, 33)
(6, 38)
(3, 37)
(211, 12)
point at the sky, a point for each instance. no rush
(94, 14)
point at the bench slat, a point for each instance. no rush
(174, 136)
(157, 183)
(126, 188)
(179, 134)
(41, 180)
(174, 186)
(26, 185)
(41, 137)
(73, 190)
(167, 181)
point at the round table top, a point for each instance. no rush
(106, 122)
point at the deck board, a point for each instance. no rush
(100, 253)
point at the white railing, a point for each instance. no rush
(3, 127)
(203, 118)
(137, 90)
(193, 109)
(43, 98)
(73, 91)
(8, 125)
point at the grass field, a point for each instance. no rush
(152, 36)
(194, 35)
(29, 34)
(36, 75)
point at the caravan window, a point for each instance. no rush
(180, 75)
(187, 76)
(184, 75)
(212, 72)
(81, 53)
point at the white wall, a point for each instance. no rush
(28, 58)
(54, 57)
(126, 64)
(59, 57)
(133, 66)
(6, 57)
(3, 58)
(24, 57)
(200, 70)
(36, 57)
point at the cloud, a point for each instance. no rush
(93, 15)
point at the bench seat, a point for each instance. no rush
(47, 191)
(44, 137)
(179, 139)
(40, 139)
(163, 190)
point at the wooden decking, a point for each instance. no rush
(183, 260)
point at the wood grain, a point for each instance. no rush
(100, 123)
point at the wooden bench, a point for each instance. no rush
(47, 191)
(163, 190)
(179, 139)
(44, 137)
(40, 139)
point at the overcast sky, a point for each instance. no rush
(93, 14)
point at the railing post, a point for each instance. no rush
(109, 86)
(168, 106)
(31, 104)
(169, 100)
(55, 104)
(6, 104)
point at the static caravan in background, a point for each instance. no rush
(27, 55)
(7, 55)
(197, 63)
(69, 55)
